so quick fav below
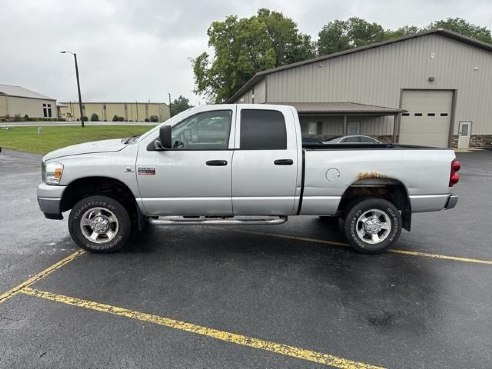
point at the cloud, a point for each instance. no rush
(141, 50)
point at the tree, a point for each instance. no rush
(180, 104)
(401, 32)
(343, 35)
(243, 47)
(463, 27)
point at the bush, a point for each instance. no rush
(115, 118)
(26, 117)
(146, 119)
(154, 118)
(121, 119)
(94, 117)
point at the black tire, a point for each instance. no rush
(372, 226)
(103, 218)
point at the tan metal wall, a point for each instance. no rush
(136, 112)
(377, 76)
(12, 106)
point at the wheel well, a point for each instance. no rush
(391, 190)
(110, 187)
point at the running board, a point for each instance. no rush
(251, 220)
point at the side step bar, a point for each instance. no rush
(251, 220)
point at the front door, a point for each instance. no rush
(464, 134)
(265, 163)
(194, 178)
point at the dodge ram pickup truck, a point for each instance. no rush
(241, 164)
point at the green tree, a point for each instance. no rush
(343, 35)
(245, 46)
(180, 104)
(463, 27)
(401, 32)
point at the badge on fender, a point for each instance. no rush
(146, 171)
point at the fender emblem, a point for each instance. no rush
(146, 171)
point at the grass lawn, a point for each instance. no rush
(27, 139)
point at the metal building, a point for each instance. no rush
(17, 102)
(107, 111)
(433, 88)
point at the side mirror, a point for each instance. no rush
(165, 137)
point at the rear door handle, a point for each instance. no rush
(216, 163)
(283, 162)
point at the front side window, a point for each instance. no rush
(203, 131)
(263, 130)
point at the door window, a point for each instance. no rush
(203, 131)
(262, 130)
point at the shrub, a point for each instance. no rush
(146, 119)
(94, 117)
(115, 118)
(154, 118)
(26, 117)
(121, 119)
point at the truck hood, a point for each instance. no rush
(87, 148)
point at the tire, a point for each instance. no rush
(372, 226)
(99, 224)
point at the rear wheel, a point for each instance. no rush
(99, 224)
(372, 225)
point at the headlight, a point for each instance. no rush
(51, 173)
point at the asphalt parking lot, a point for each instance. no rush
(288, 296)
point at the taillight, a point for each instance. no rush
(454, 177)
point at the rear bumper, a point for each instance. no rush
(452, 201)
(49, 200)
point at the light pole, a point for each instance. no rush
(78, 85)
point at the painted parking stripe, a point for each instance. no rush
(238, 339)
(341, 244)
(14, 291)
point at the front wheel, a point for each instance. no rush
(99, 224)
(372, 226)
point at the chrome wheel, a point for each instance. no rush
(99, 225)
(373, 226)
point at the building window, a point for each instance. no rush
(47, 111)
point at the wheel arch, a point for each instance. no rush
(88, 186)
(386, 188)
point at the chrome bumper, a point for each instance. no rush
(452, 201)
(49, 200)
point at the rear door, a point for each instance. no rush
(265, 162)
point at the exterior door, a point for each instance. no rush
(194, 178)
(353, 128)
(265, 162)
(464, 134)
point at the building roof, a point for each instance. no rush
(341, 108)
(452, 35)
(66, 103)
(19, 91)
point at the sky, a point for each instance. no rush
(141, 50)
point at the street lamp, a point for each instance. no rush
(78, 85)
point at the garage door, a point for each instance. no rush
(428, 119)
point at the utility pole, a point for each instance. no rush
(78, 85)
(170, 114)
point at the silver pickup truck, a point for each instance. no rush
(241, 164)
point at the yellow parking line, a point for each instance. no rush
(14, 291)
(238, 339)
(393, 251)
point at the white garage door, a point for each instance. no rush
(428, 118)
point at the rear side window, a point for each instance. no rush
(262, 130)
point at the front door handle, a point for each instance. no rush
(283, 162)
(216, 163)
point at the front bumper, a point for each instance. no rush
(49, 200)
(452, 201)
